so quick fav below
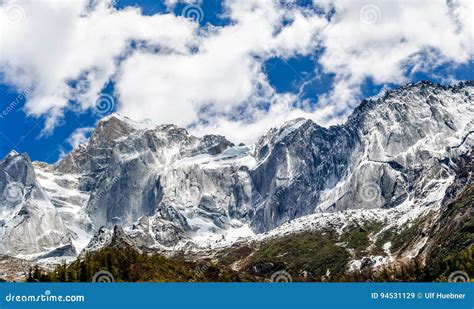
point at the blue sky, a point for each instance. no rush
(303, 72)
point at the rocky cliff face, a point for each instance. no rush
(392, 150)
(169, 189)
(29, 223)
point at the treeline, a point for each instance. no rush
(128, 265)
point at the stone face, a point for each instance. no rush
(29, 223)
(166, 187)
(132, 171)
(298, 162)
(388, 149)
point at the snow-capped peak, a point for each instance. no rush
(12, 154)
(146, 124)
(166, 187)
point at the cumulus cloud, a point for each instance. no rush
(223, 74)
(211, 79)
(79, 136)
(381, 40)
(57, 42)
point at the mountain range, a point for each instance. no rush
(389, 173)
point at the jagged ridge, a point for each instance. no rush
(169, 189)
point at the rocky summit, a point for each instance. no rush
(159, 188)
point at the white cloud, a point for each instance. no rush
(79, 136)
(59, 41)
(224, 74)
(184, 74)
(248, 132)
(380, 39)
